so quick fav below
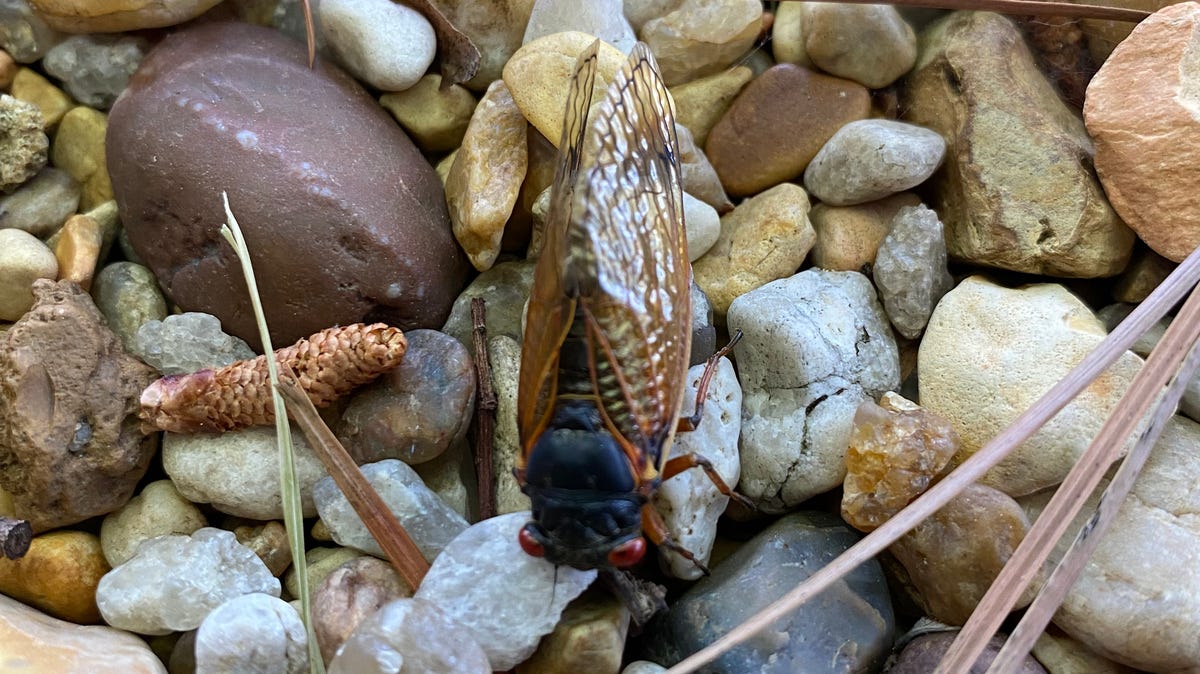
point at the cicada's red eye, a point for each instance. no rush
(529, 544)
(628, 553)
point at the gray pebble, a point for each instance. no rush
(24, 34)
(910, 269)
(254, 633)
(187, 342)
(871, 159)
(95, 68)
(504, 287)
(42, 205)
(128, 295)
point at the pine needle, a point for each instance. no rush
(1024, 8)
(293, 513)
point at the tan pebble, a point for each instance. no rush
(113, 16)
(539, 174)
(23, 260)
(1145, 272)
(8, 70)
(58, 575)
(848, 237)
(443, 167)
(318, 562)
(79, 150)
(483, 183)
(31, 87)
(434, 118)
(269, 541)
(700, 179)
(870, 44)
(588, 639)
(700, 103)
(787, 34)
(702, 38)
(158, 510)
(78, 250)
(31, 641)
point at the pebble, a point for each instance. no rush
(910, 270)
(814, 346)
(1112, 315)
(158, 510)
(23, 145)
(23, 260)
(1146, 271)
(602, 18)
(871, 159)
(1060, 654)
(645, 666)
(496, 28)
(113, 16)
(704, 333)
(1018, 159)
(35, 642)
(485, 180)
(128, 296)
(269, 541)
(923, 653)
(699, 38)
(428, 520)
(1141, 113)
(703, 226)
(849, 627)
(690, 503)
(42, 204)
(848, 237)
(434, 117)
(78, 250)
(314, 196)
(589, 638)
(989, 352)
(778, 123)
(787, 34)
(386, 45)
(238, 471)
(31, 87)
(410, 635)
(94, 69)
(79, 150)
(58, 575)
(505, 598)
(1138, 599)
(350, 594)
(700, 179)
(71, 446)
(252, 633)
(318, 563)
(765, 238)
(505, 355)
(418, 409)
(449, 476)
(700, 103)
(187, 342)
(870, 44)
(23, 33)
(142, 595)
(504, 288)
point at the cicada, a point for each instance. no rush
(608, 328)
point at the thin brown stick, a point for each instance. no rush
(485, 411)
(15, 537)
(379, 520)
(1137, 323)
(310, 32)
(1039, 613)
(1025, 7)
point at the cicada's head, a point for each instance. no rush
(587, 512)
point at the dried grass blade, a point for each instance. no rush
(310, 33)
(1026, 8)
(1039, 613)
(379, 520)
(1168, 293)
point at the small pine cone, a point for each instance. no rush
(329, 364)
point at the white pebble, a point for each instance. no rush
(252, 634)
(871, 159)
(385, 44)
(410, 636)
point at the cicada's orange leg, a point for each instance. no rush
(656, 530)
(679, 464)
(688, 424)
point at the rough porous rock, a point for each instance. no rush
(814, 346)
(128, 296)
(1138, 599)
(158, 510)
(690, 503)
(348, 596)
(1143, 112)
(385, 44)
(313, 168)
(848, 627)
(602, 18)
(23, 260)
(410, 635)
(698, 38)
(765, 238)
(496, 28)
(58, 574)
(1017, 191)
(777, 124)
(700, 103)
(42, 204)
(35, 642)
(989, 352)
(23, 145)
(113, 16)
(146, 594)
(485, 180)
(252, 633)
(417, 410)
(870, 44)
(434, 117)
(94, 69)
(873, 158)
(69, 437)
(910, 269)
(848, 237)
(589, 638)
(183, 343)
(504, 597)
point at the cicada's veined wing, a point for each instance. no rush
(626, 253)
(551, 309)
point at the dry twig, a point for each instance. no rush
(485, 412)
(15, 537)
(1025, 7)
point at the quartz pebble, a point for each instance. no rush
(703, 226)
(787, 34)
(143, 594)
(23, 145)
(645, 666)
(187, 342)
(434, 117)
(58, 574)
(602, 18)
(896, 450)
(428, 520)
(410, 636)
(910, 269)
(252, 633)
(23, 260)
(503, 597)
(350, 594)
(848, 237)
(870, 44)
(385, 44)
(871, 159)
(128, 296)
(29, 86)
(41, 205)
(449, 475)
(158, 510)
(699, 38)
(589, 638)
(94, 69)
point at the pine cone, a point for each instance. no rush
(329, 364)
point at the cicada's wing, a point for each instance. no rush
(551, 309)
(626, 252)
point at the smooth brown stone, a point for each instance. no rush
(778, 123)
